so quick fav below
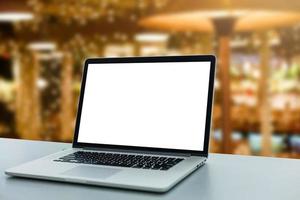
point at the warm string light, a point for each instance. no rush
(82, 12)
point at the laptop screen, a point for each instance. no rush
(160, 105)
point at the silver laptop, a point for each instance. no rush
(143, 123)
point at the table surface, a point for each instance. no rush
(223, 177)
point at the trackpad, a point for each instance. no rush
(91, 172)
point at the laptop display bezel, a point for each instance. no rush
(192, 58)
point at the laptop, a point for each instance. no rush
(143, 123)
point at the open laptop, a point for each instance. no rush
(143, 123)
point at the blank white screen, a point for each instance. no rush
(159, 105)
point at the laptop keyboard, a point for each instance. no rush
(121, 160)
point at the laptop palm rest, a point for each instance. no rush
(91, 172)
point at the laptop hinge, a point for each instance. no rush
(138, 151)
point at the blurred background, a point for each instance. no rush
(43, 44)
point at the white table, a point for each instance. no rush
(223, 177)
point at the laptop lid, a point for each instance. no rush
(159, 104)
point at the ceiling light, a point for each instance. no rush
(151, 37)
(42, 46)
(15, 16)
